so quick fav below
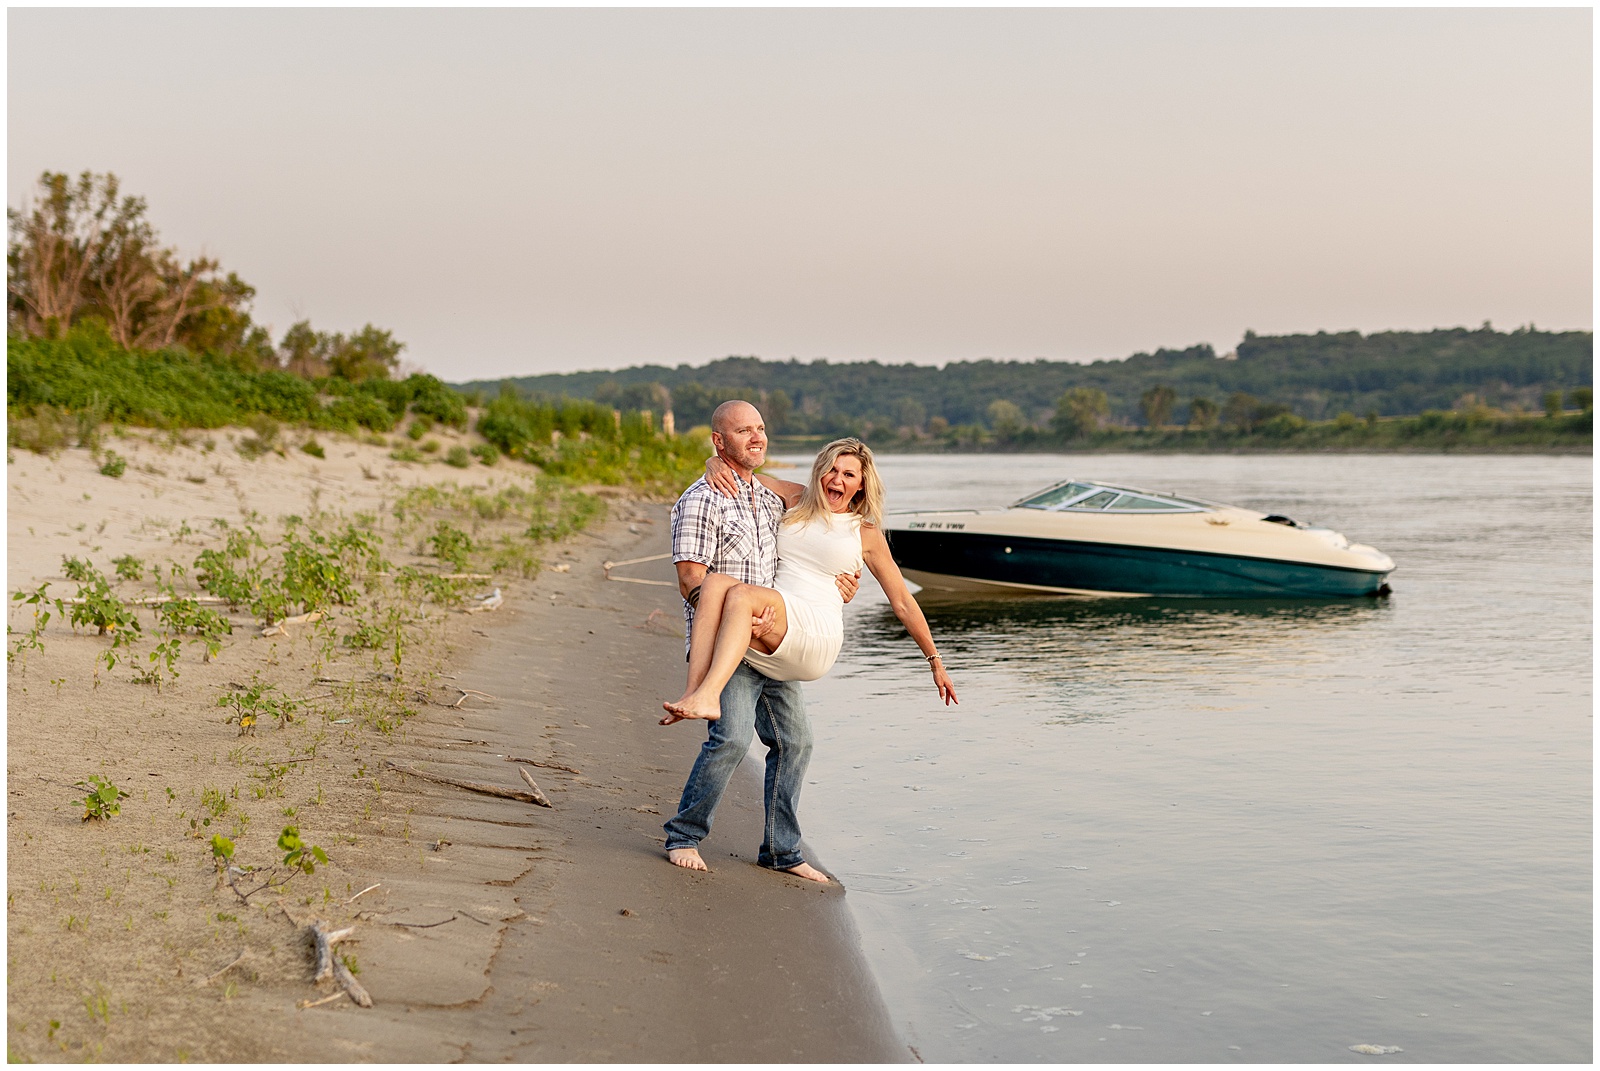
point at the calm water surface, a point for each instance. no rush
(1204, 831)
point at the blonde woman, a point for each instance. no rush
(831, 526)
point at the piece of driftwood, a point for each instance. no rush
(470, 786)
(533, 786)
(363, 892)
(546, 765)
(326, 939)
(329, 999)
(214, 975)
(330, 966)
(281, 628)
(162, 600)
(472, 693)
(606, 568)
(348, 983)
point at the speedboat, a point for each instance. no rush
(1082, 537)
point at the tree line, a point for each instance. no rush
(1306, 377)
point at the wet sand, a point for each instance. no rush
(618, 956)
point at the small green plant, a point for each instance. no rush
(458, 456)
(77, 569)
(314, 448)
(163, 663)
(451, 544)
(221, 850)
(182, 615)
(102, 799)
(486, 453)
(297, 853)
(30, 640)
(406, 453)
(114, 465)
(128, 567)
(249, 703)
(420, 426)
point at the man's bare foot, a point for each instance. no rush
(809, 872)
(688, 858)
(690, 707)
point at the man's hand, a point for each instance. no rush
(762, 623)
(720, 475)
(849, 584)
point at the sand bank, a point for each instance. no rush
(497, 929)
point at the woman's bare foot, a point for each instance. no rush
(809, 872)
(688, 858)
(692, 707)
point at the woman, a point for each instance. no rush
(832, 526)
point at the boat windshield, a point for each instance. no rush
(1056, 496)
(1102, 498)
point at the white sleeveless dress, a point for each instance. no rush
(809, 556)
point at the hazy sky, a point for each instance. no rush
(524, 191)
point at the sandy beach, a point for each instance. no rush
(485, 928)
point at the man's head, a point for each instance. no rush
(739, 436)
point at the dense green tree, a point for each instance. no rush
(1079, 412)
(1006, 419)
(1552, 403)
(1581, 398)
(1202, 413)
(1157, 403)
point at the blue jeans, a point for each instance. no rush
(776, 711)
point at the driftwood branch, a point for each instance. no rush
(606, 568)
(546, 765)
(363, 892)
(214, 975)
(472, 693)
(348, 983)
(326, 939)
(533, 786)
(161, 600)
(470, 786)
(281, 628)
(330, 966)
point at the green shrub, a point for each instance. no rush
(114, 465)
(314, 448)
(102, 799)
(486, 453)
(44, 431)
(458, 457)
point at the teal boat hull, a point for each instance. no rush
(973, 559)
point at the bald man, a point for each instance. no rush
(739, 536)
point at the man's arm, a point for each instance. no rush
(690, 576)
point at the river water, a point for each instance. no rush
(1235, 831)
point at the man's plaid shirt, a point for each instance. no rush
(737, 536)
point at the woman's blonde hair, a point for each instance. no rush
(867, 503)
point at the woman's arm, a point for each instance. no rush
(875, 552)
(719, 474)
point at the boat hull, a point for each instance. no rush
(970, 560)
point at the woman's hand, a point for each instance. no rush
(941, 680)
(720, 475)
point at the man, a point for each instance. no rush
(739, 536)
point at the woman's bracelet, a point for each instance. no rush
(934, 657)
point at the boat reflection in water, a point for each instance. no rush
(1091, 538)
(1086, 659)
